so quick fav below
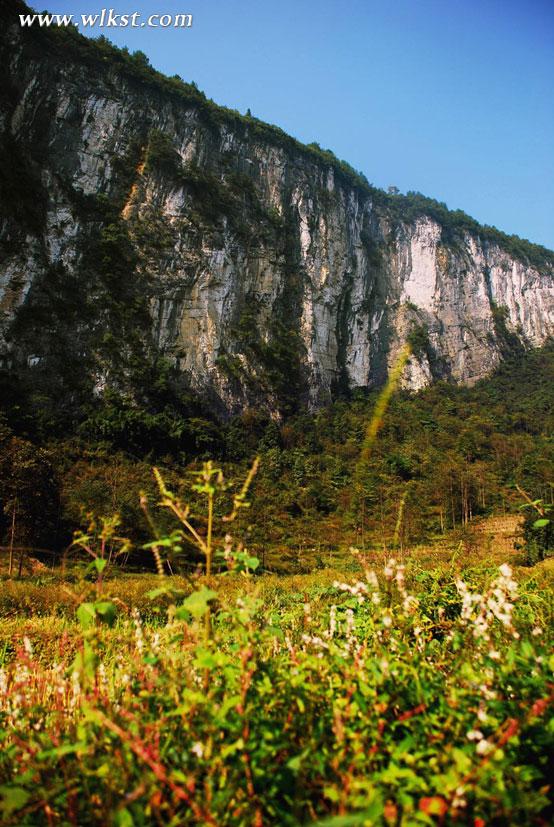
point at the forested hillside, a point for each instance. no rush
(442, 456)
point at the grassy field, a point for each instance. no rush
(377, 692)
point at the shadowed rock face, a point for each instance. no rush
(264, 275)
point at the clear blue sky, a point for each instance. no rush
(454, 98)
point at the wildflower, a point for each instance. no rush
(475, 735)
(228, 547)
(75, 688)
(537, 631)
(315, 641)
(458, 802)
(489, 694)
(102, 678)
(400, 576)
(484, 747)
(387, 621)
(27, 646)
(358, 590)
(349, 624)
(198, 749)
(410, 603)
(371, 578)
(332, 621)
(388, 571)
(139, 637)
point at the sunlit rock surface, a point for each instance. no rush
(248, 252)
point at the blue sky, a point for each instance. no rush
(453, 98)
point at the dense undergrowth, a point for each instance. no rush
(358, 700)
(386, 694)
(392, 694)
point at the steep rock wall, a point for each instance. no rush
(135, 225)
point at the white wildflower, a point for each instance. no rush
(349, 624)
(410, 603)
(458, 802)
(139, 637)
(332, 621)
(228, 547)
(75, 688)
(482, 714)
(484, 747)
(487, 693)
(314, 640)
(388, 571)
(371, 578)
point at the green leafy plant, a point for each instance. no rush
(361, 702)
(538, 529)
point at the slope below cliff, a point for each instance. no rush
(146, 231)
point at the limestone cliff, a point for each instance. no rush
(139, 220)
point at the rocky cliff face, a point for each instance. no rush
(139, 221)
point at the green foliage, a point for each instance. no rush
(130, 428)
(454, 452)
(210, 485)
(29, 493)
(509, 341)
(277, 358)
(418, 339)
(538, 531)
(359, 702)
(161, 155)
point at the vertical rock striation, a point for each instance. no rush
(139, 221)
